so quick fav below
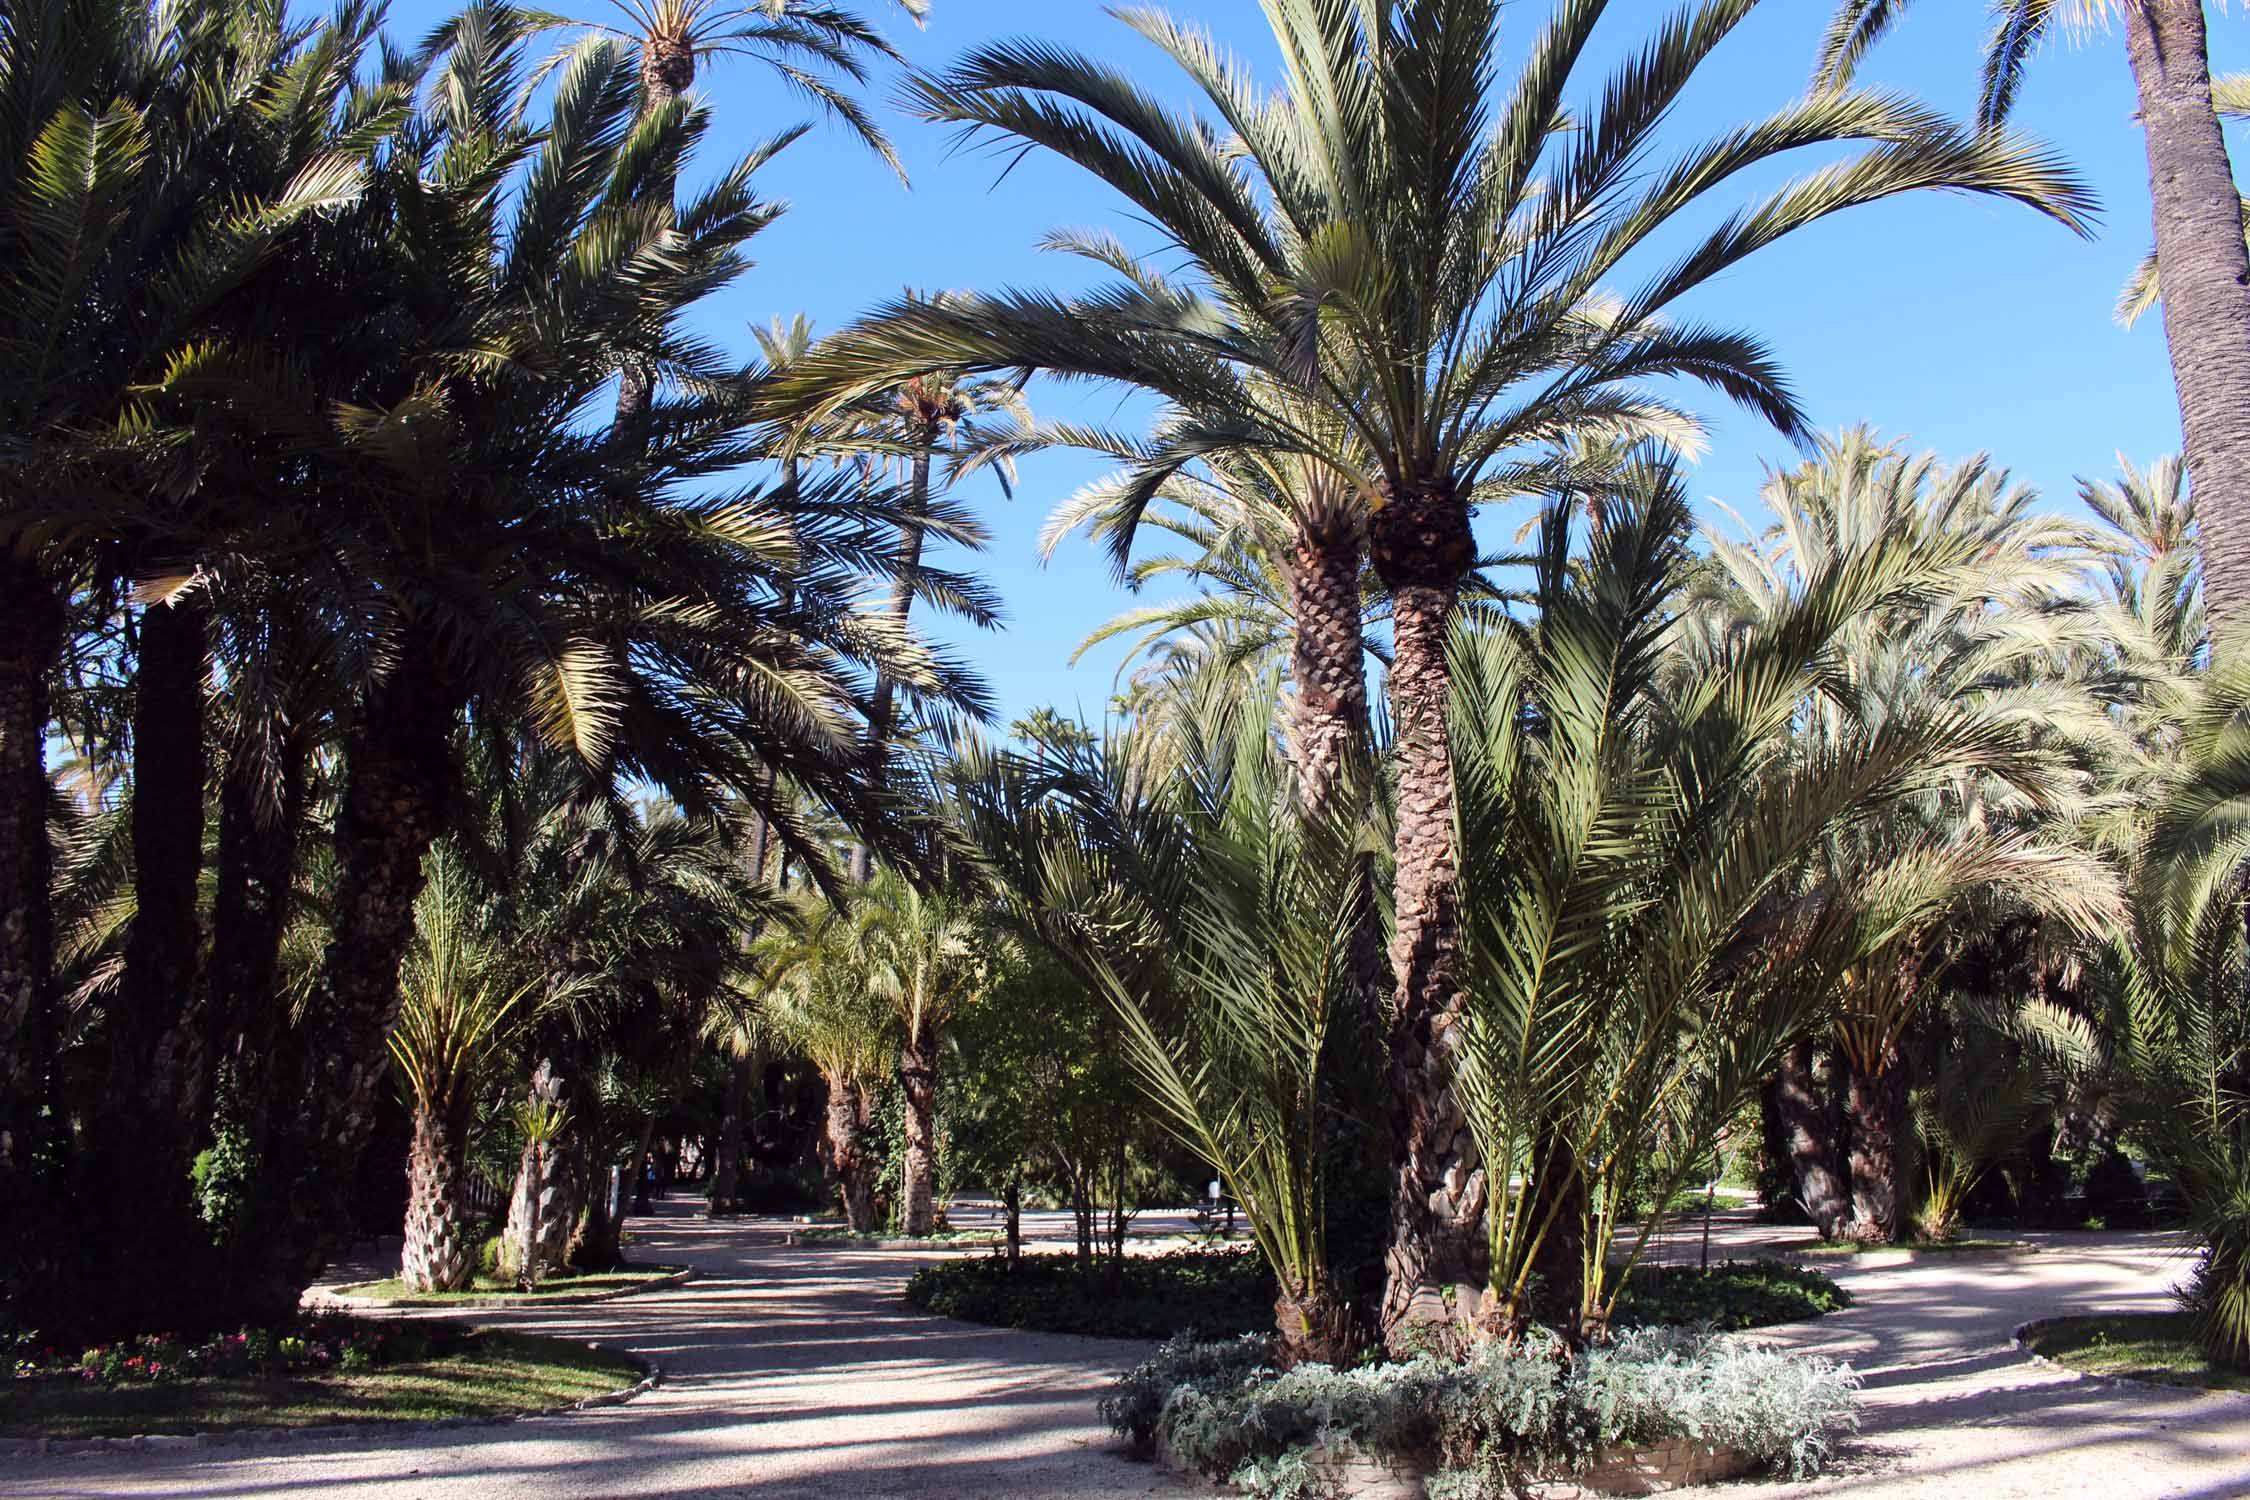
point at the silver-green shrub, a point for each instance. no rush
(1525, 1409)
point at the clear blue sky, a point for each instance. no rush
(1965, 325)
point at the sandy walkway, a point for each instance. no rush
(797, 1373)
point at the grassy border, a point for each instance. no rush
(344, 1296)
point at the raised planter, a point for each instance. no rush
(1639, 1470)
(344, 1297)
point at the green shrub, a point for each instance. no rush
(1732, 1296)
(490, 1253)
(1213, 1292)
(1514, 1411)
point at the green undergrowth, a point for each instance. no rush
(485, 1373)
(1732, 1296)
(2157, 1347)
(565, 1284)
(1215, 1292)
(1848, 1248)
(875, 1237)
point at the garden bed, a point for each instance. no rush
(1732, 1296)
(1213, 1292)
(2158, 1348)
(1911, 1251)
(492, 1291)
(960, 1239)
(331, 1372)
(1655, 1409)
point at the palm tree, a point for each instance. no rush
(459, 1002)
(1201, 896)
(809, 970)
(2001, 642)
(2175, 1021)
(1398, 272)
(150, 161)
(928, 957)
(2203, 265)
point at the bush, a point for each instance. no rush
(317, 1344)
(2115, 1192)
(490, 1253)
(1213, 1292)
(1514, 1411)
(1733, 1296)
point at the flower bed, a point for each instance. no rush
(1654, 1403)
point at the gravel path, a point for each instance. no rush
(797, 1375)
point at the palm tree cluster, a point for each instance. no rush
(320, 553)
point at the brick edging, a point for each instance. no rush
(498, 1300)
(171, 1442)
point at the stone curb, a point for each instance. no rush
(343, 1300)
(842, 1242)
(1908, 1255)
(2024, 1332)
(173, 1442)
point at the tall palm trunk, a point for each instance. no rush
(1809, 1138)
(436, 1257)
(398, 784)
(726, 1161)
(912, 537)
(1329, 708)
(1312, 1324)
(844, 1155)
(1420, 543)
(1877, 1106)
(148, 1027)
(917, 1076)
(2203, 271)
(539, 1209)
(667, 71)
(31, 634)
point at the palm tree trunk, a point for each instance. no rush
(2203, 272)
(844, 1155)
(31, 634)
(917, 1076)
(1558, 1265)
(149, 1074)
(1420, 543)
(1329, 707)
(1877, 1106)
(257, 862)
(726, 1160)
(398, 785)
(539, 1208)
(436, 1257)
(912, 537)
(1808, 1136)
(1313, 1326)
(1011, 1202)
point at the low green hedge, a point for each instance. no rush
(1732, 1296)
(1218, 1293)
(1215, 1292)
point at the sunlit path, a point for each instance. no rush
(799, 1373)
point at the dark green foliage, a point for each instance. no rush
(1213, 1292)
(2115, 1192)
(1736, 1295)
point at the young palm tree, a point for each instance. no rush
(461, 997)
(809, 971)
(928, 957)
(2202, 263)
(1400, 250)
(1200, 895)
(2176, 1023)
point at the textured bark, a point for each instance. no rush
(2203, 272)
(1011, 1201)
(726, 1157)
(844, 1157)
(150, 1066)
(540, 1210)
(1558, 1265)
(1877, 1106)
(1313, 1326)
(398, 785)
(31, 626)
(436, 1257)
(1808, 1135)
(1420, 544)
(1328, 711)
(917, 1076)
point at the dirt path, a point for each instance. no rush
(798, 1375)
